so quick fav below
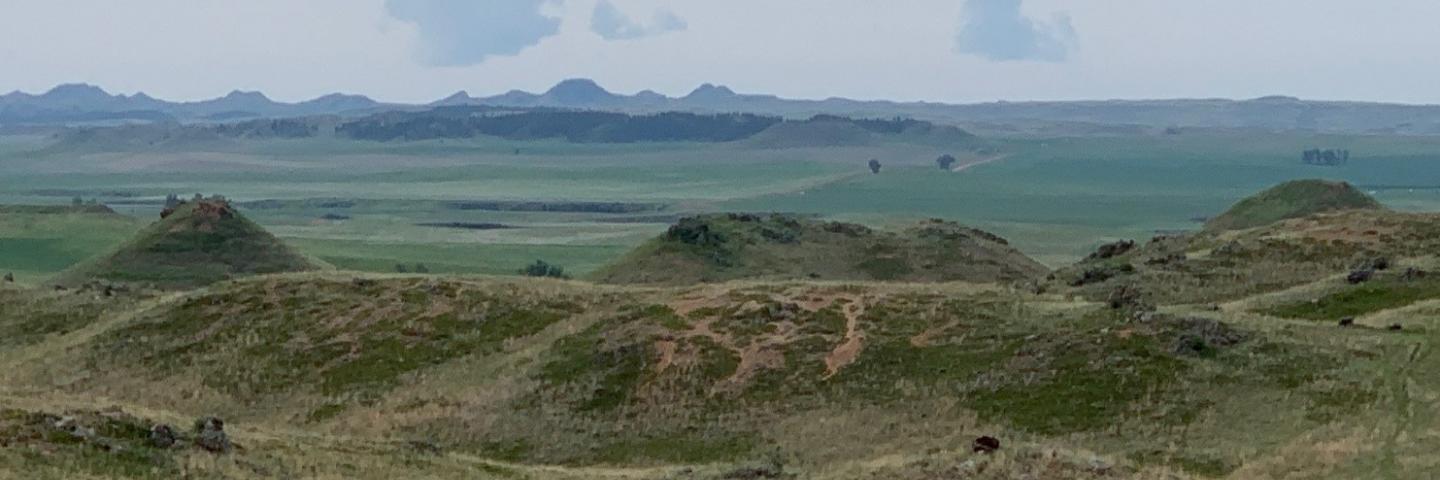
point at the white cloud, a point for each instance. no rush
(466, 32)
(612, 24)
(997, 30)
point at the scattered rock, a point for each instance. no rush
(1166, 260)
(1127, 297)
(210, 435)
(1099, 465)
(1229, 248)
(771, 468)
(1198, 335)
(782, 311)
(1111, 250)
(1347, 322)
(985, 444)
(424, 446)
(1359, 276)
(1412, 274)
(1101, 273)
(1376, 263)
(70, 425)
(163, 436)
(1143, 317)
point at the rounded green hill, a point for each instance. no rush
(723, 247)
(1292, 199)
(194, 244)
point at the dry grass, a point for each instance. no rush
(714, 377)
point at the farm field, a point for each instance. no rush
(373, 206)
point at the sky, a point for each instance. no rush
(954, 51)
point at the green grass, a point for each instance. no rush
(269, 348)
(35, 244)
(1360, 300)
(454, 258)
(1292, 200)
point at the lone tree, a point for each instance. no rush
(542, 269)
(874, 166)
(945, 161)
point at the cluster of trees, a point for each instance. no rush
(270, 128)
(575, 126)
(875, 166)
(891, 126)
(1328, 158)
(173, 200)
(542, 269)
(945, 161)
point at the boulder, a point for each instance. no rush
(163, 436)
(1111, 250)
(1127, 297)
(1357, 277)
(210, 435)
(1198, 335)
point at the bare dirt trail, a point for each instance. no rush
(848, 351)
(977, 163)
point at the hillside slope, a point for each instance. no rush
(720, 247)
(546, 379)
(195, 244)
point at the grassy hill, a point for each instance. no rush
(1224, 358)
(720, 247)
(198, 243)
(323, 373)
(1292, 200)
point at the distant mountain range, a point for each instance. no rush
(76, 104)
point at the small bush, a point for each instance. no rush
(542, 269)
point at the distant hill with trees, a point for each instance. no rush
(80, 104)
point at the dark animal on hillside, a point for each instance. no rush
(985, 444)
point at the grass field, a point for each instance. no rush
(1054, 198)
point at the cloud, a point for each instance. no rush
(997, 30)
(466, 32)
(612, 24)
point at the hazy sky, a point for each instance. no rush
(935, 50)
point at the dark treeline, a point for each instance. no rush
(270, 128)
(575, 126)
(1329, 158)
(892, 126)
(580, 126)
